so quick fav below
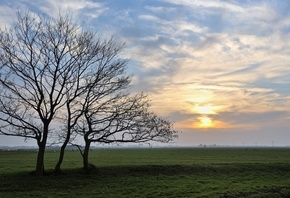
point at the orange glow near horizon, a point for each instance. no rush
(205, 122)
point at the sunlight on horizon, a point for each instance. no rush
(206, 122)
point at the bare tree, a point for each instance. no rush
(121, 119)
(43, 65)
(100, 65)
(35, 66)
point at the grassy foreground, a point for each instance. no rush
(175, 172)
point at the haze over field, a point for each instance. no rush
(219, 70)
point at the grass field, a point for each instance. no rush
(174, 172)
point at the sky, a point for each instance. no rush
(219, 70)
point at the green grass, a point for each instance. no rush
(175, 172)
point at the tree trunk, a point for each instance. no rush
(61, 153)
(40, 160)
(39, 171)
(60, 159)
(67, 138)
(86, 155)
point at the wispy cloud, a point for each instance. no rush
(5, 15)
(77, 7)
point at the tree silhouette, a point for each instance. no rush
(120, 119)
(38, 59)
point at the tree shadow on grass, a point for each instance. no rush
(119, 179)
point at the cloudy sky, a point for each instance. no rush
(219, 70)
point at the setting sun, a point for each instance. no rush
(205, 122)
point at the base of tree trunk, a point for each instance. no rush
(58, 172)
(90, 170)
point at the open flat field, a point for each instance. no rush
(173, 172)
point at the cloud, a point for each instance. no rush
(264, 118)
(227, 66)
(52, 7)
(5, 15)
(238, 17)
(208, 4)
(78, 8)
